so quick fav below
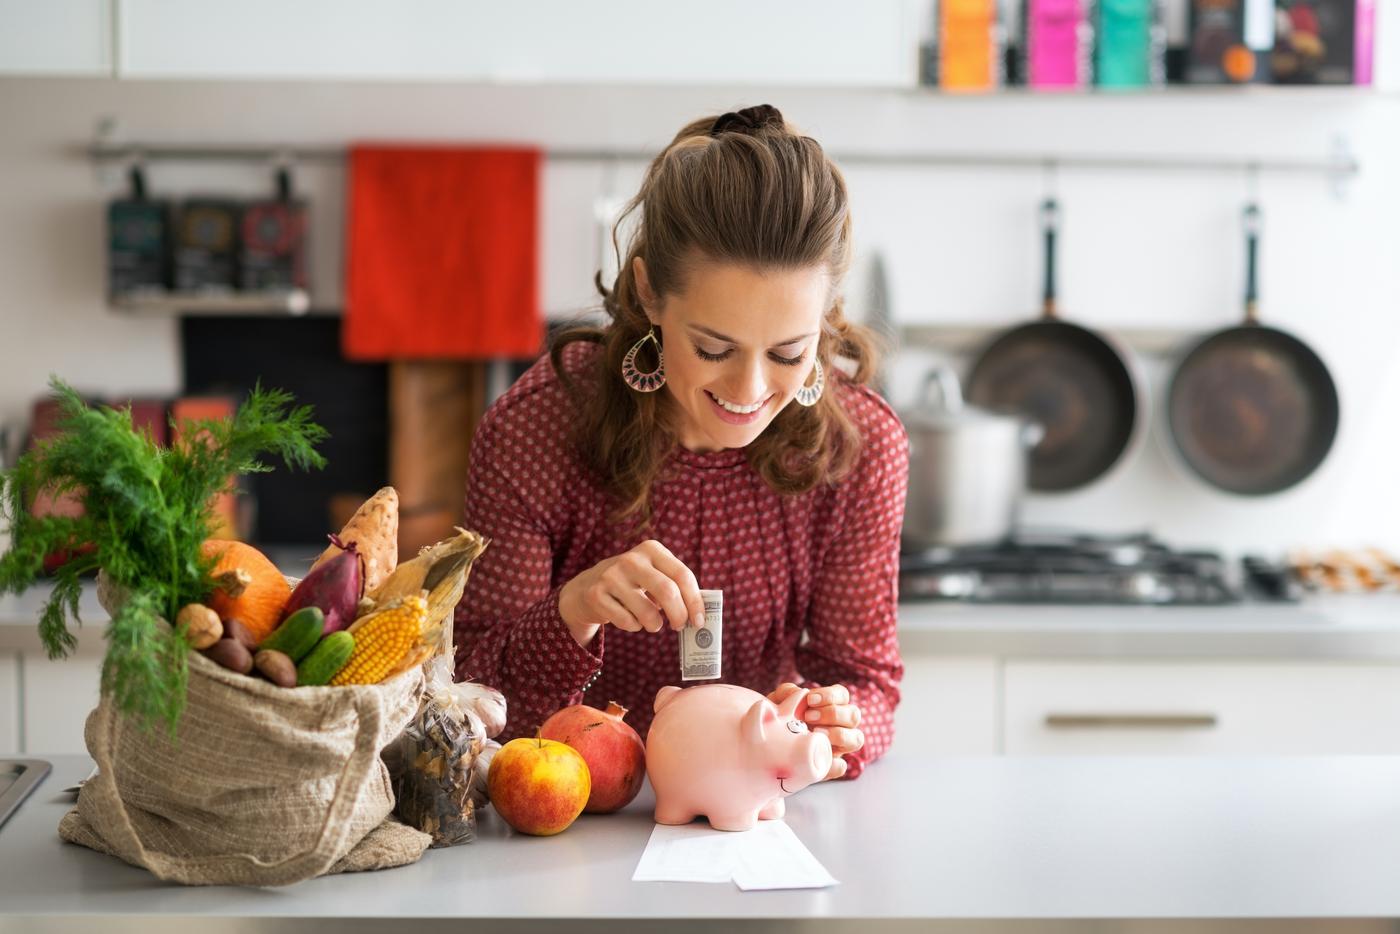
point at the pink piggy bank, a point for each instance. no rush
(730, 754)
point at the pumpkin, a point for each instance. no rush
(250, 588)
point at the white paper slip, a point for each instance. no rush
(773, 858)
(768, 857)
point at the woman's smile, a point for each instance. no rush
(734, 413)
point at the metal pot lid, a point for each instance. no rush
(941, 406)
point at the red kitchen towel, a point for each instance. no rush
(442, 255)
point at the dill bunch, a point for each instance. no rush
(147, 510)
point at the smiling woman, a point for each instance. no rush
(665, 449)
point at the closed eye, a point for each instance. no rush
(776, 358)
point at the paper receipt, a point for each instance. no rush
(700, 648)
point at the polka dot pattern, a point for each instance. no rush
(809, 581)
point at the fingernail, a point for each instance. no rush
(814, 715)
(814, 698)
(698, 622)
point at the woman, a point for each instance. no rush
(614, 480)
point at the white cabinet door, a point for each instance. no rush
(56, 37)
(57, 698)
(9, 704)
(947, 706)
(1125, 707)
(805, 42)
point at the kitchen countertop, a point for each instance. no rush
(1342, 626)
(915, 840)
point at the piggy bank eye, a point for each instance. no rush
(796, 726)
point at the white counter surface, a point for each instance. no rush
(918, 843)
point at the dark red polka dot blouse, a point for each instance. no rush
(809, 580)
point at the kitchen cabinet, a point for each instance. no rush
(57, 698)
(1264, 707)
(56, 37)
(948, 705)
(552, 41)
(9, 703)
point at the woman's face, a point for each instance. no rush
(739, 344)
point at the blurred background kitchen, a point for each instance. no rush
(177, 196)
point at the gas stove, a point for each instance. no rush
(1055, 567)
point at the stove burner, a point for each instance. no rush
(1049, 567)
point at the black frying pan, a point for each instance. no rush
(1252, 409)
(1069, 379)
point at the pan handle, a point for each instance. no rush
(1050, 222)
(1251, 276)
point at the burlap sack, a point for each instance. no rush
(261, 786)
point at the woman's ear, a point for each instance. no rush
(644, 292)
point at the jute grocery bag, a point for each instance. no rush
(261, 785)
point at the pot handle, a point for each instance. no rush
(1032, 433)
(949, 395)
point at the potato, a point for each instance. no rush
(277, 667)
(234, 629)
(231, 654)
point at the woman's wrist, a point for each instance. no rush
(583, 633)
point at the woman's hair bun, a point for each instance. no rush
(749, 120)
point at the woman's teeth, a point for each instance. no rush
(736, 409)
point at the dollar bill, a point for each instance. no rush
(700, 647)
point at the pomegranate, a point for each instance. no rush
(614, 752)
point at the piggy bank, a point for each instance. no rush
(730, 754)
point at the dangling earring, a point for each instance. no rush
(644, 382)
(808, 395)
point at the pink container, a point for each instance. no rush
(729, 754)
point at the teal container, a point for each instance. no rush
(1130, 48)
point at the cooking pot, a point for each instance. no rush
(967, 468)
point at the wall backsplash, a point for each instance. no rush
(1137, 249)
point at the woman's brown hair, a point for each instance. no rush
(740, 188)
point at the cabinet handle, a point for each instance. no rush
(1151, 720)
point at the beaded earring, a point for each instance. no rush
(808, 395)
(644, 382)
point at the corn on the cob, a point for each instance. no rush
(383, 639)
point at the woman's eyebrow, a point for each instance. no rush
(729, 340)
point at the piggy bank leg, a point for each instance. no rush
(773, 810)
(670, 813)
(744, 821)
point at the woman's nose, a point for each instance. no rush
(750, 387)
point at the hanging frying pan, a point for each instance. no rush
(1252, 409)
(1069, 379)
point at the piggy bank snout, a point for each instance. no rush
(818, 756)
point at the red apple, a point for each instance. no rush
(537, 785)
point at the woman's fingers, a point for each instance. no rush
(838, 768)
(613, 612)
(642, 608)
(665, 593)
(832, 695)
(675, 569)
(844, 740)
(845, 715)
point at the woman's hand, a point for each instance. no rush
(830, 710)
(644, 588)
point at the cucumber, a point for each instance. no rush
(298, 633)
(329, 656)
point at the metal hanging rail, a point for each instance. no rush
(1340, 166)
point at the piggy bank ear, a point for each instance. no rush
(756, 722)
(663, 696)
(794, 706)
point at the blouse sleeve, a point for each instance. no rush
(851, 628)
(509, 633)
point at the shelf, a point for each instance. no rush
(292, 302)
(969, 338)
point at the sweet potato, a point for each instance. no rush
(374, 528)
